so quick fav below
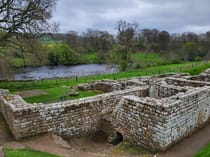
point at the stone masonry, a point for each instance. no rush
(154, 112)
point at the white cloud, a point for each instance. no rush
(195, 28)
(171, 15)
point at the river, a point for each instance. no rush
(48, 72)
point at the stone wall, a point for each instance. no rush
(187, 82)
(139, 119)
(188, 112)
(154, 112)
(69, 118)
(156, 124)
(162, 90)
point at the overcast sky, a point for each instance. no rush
(175, 16)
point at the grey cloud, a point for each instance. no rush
(171, 15)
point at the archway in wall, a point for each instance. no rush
(117, 139)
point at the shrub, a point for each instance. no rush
(123, 65)
(62, 54)
(176, 61)
(198, 58)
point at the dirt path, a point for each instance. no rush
(190, 145)
(52, 144)
(5, 135)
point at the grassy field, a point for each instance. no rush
(204, 152)
(27, 153)
(151, 59)
(55, 87)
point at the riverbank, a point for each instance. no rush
(61, 71)
(55, 87)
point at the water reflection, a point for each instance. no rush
(46, 72)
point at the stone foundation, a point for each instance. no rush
(156, 124)
(154, 112)
(69, 118)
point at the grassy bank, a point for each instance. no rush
(26, 153)
(55, 89)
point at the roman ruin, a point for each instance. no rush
(154, 112)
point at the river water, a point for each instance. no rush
(47, 72)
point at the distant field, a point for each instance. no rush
(151, 59)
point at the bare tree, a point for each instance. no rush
(164, 39)
(188, 37)
(96, 40)
(126, 32)
(25, 17)
(6, 70)
(33, 49)
(72, 39)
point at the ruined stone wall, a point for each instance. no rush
(205, 78)
(158, 113)
(189, 112)
(163, 90)
(156, 124)
(139, 119)
(69, 118)
(167, 90)
(2, 93)
(184, 82)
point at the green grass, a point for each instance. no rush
(26, 153)
(54, 95)
(91, 58)
(55, 89)
(151, 59)
(205, 152)
(198, 69)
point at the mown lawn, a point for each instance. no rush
(55, 88)
(26, 153)
(205, 152)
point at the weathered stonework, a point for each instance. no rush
(67, 118)
(154, 112)
(158, 123)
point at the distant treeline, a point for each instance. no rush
(95, 46)
(185, 46)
